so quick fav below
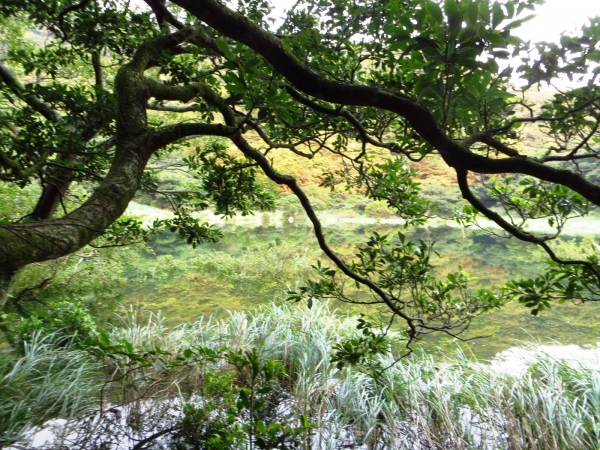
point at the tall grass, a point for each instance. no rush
(49, 380)
(418, 403)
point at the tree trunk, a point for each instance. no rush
(25, 243)
(42, 240)
(6, 276)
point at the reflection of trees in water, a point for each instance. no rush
(493, 261)
(191, 291)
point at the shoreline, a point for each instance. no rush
(576, 227)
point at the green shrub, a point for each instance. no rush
(378, 209)
(67, 322)
(209, 421)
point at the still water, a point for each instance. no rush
(250, 244)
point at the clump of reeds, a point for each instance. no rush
(49, 379)
(417, 403)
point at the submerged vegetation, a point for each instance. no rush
(271, 377)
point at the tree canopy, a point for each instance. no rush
(116, 85)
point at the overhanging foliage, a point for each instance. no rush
(418, 79)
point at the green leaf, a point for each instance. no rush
(497, 14)
(225, 49)
(451, 7)
(304, 421)
(454, 24)
(104, 338)
(261, 427)
(435, 11)
(495, 39)
(473, 12)
(519, 22)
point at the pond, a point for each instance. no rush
(261, 256)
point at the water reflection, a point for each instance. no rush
(492, 260)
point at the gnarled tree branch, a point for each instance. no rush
(303, 78)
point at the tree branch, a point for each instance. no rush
(271, 144)
(517, 232)
(186, 93)
(343, 112)
(161, 137)
(485, 138)
(8, 78)
(303, 78)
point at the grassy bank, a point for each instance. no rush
(144, 379)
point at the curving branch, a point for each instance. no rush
(519, 233)
(164, 136)
(414, 323)
(303, 78)
(11, 81)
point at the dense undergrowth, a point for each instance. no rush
(273, 378)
